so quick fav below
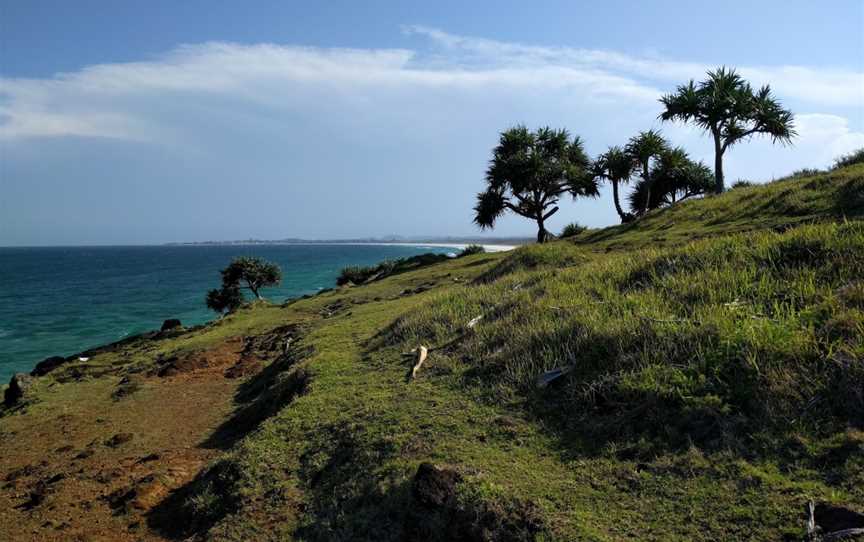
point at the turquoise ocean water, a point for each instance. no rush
(59, 301)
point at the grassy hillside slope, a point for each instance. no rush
(714, 360)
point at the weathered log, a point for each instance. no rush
(421, 352)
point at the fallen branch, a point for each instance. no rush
(421, 352)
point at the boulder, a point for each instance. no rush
(19, 384)
(47, 365)
(171, 324)
(435, 487)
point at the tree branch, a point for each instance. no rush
(550, 213)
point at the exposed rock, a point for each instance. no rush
(23, 472)
(246, 366)
(837, 518)
(127, 386)
(47, 365)
(84, 454)
(118, 439)
(149, 457)
(433, 486)
(18, 386)
(171, 324)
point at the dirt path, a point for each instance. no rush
(91, 458)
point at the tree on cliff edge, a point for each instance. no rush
(529, 172)
(243, 272)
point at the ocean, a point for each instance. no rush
(61, 300)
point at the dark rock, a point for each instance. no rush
(170, 324)
(125, 387)
(118, 439)
(18, 386)
(84, 454)
(148, 458)
(837, 518)
(47, 365)
(23, 472)
(435, 487)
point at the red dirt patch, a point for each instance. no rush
(81, 465)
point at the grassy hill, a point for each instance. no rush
(713, 368)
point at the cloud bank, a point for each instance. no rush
(343, 137)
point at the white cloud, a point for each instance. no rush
(818, 85)
(104, 100)
(359, 136)
(828, 135)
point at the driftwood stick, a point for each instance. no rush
(811, 520)
(421, 352)
(474, 321)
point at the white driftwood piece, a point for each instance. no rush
(474, 321)
(421, 352)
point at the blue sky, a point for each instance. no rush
(146, 122)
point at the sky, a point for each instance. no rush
(160, 121)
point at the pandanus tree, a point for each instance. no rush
(674, 177)
(528, 174)
(616, 166)
(643, 149)
(726, 106)
(243, 272)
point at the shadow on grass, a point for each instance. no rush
(262, 396)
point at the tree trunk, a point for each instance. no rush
(646, 175)
(541, 231)
(618, 203)
(718, 165)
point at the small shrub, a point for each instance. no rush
(856, 157)
(356, 274)
(471, 249)
(742, 183)
(572, 229)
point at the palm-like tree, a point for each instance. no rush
(529, 172)
(643, 148)
(615, 165)
(727, 106)
(674, 177)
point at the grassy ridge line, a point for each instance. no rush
(713, 394)
(688, 417)
(780, 204)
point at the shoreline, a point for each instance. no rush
(460, 246)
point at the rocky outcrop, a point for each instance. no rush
(19, 385)
(47, 365)
(171, 324)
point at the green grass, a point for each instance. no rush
(717, 355)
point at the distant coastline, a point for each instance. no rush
(490, 244)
